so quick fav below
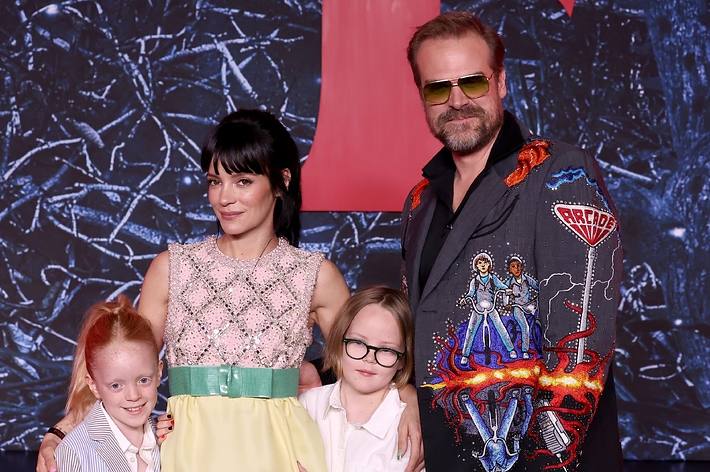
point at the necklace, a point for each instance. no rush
(259, 258)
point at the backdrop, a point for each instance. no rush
(104, 105)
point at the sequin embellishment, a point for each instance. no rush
(230, 311)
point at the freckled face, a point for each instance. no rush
(126, 378)
(244, 203)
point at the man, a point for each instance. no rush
(498, 190)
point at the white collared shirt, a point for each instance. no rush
(351, 447)
(129, 450)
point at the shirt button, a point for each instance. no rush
(449, 226)
(133, 459)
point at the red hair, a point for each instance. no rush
(454, 25)
(104, 323)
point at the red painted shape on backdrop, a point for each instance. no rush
(569, 6)
(371, 139)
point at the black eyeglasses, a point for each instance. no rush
(473, 86)
(384, 356)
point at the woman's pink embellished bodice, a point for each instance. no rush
(250, 313)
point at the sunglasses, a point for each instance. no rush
(473, 86)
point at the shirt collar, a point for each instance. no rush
(384, 417)
(334, 402)
(440, 169)
(381, 420)
(123, 442)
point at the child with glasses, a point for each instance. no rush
(370, 348)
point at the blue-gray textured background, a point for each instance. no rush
(104, 105)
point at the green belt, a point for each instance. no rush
(233, 381)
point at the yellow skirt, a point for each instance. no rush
(214, 434)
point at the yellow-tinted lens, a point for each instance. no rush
(437, 93)
(474, 86)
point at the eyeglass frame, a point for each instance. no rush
(347, 341)
(455, 83)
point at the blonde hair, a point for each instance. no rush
(390, 299)
(103, 323)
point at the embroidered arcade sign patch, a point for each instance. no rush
(591, 224)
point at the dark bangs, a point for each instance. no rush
(240, 147)
(255, 142)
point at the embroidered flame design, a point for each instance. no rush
(583, 383)
(531, 155)
(417, 193)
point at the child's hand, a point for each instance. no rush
(308, 377)
(163, 427)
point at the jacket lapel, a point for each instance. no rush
(156, 459)
(417, 229)
(99, 430)
(491, 190)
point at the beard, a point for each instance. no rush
(468, 137)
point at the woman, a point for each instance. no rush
(241, 307)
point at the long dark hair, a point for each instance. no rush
(255, 142)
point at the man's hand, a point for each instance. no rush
(410, 431)
(45, 458)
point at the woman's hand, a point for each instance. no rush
(163, 427)
(45, 458)
(308, 377)
(50, 441)
(410, 430)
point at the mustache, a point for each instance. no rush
(466, 111)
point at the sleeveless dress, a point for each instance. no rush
(250, 314)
